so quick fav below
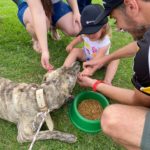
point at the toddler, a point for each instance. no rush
(96, 41)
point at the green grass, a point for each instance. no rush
(21, 64)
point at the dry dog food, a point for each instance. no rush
(90, 109)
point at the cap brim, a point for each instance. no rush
(102, 16)
(90, 30)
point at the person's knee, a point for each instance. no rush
(110, 120)
(72, 31)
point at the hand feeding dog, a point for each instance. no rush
(21, 102)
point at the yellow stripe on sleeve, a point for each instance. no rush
(145, 89)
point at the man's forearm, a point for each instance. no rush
(126, 51)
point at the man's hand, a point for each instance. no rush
(98, 63)
(90, 63)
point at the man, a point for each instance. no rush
(128, 123)
(83, 3)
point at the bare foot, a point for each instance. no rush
(55, 35)
(36, 46)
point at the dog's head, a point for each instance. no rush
(59, 84)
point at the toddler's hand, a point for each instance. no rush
(88, 71)
(85, 81)
(69, 48)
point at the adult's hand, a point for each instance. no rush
(45, 61)
(95, 62)
(76, 19)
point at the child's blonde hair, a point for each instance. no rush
(106, 31)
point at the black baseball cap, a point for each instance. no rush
(88, 16)
(109, 5)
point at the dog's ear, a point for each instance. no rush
(49, 76)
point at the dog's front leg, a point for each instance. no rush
(55, 135)
(25, 128)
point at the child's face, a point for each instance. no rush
(95, 36)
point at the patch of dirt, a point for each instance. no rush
(90, 109)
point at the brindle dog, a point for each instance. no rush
(18, 102)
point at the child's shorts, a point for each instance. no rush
(59, 10)
(145, 142)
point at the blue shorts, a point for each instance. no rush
(59, 10)
(21, 9)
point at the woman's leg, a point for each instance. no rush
(62, 18)
(27, 19)
(124, 124)
(65, 24)
(54, 33)
(75, 54)
(111, 71)
(30, 30)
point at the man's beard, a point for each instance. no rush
(137, 32)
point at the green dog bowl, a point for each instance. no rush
(82, 123)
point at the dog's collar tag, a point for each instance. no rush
(40, 100)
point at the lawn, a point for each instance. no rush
(21, 64)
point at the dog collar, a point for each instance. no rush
(43, 108)
(40, 100)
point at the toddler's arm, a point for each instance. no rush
(73, 43)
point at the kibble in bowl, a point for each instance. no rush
(86, 110)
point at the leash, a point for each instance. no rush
(43, 115)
